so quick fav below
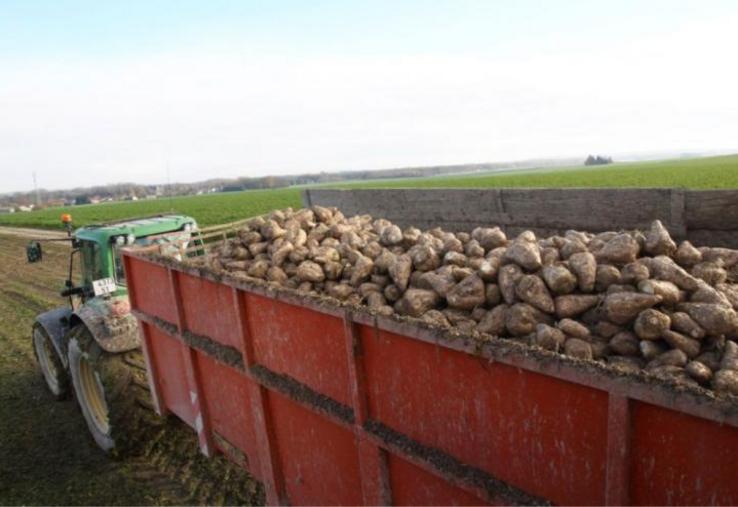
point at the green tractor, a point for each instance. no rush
(92, 345)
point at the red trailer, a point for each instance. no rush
(329, 404)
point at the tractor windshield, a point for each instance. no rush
(90, 265)
(170, 244)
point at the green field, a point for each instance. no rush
(208, 209)
(700, 173)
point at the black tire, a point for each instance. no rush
(112, 392)
(50, 364)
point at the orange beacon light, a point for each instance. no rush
(66, 219)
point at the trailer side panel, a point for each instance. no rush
(329, 404)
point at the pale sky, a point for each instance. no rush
(95, 92)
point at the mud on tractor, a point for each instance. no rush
(92, 345)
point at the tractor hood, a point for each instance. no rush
(139, 227)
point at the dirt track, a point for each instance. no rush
(46, 454)
(31, 233)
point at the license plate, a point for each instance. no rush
(103, 286)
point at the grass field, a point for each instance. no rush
(208, 209)
(702, 173)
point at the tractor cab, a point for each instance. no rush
(100, 248)
(97, 270)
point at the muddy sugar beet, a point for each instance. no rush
(637, 300)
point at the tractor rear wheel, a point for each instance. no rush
(52, 368)
(112, 392)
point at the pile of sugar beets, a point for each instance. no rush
(633, 299)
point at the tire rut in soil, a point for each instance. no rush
(174, 451)
(167, 447)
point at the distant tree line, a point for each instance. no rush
(597, 160)
(122, 191)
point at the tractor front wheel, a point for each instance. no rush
(52, 369)
(112, 392)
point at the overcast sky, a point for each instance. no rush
(96, 92)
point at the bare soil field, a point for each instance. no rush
(46, 454)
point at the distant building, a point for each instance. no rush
(4, 211)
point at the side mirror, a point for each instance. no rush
(33, 252)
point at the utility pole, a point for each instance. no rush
(35, 189)
(169, 185)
